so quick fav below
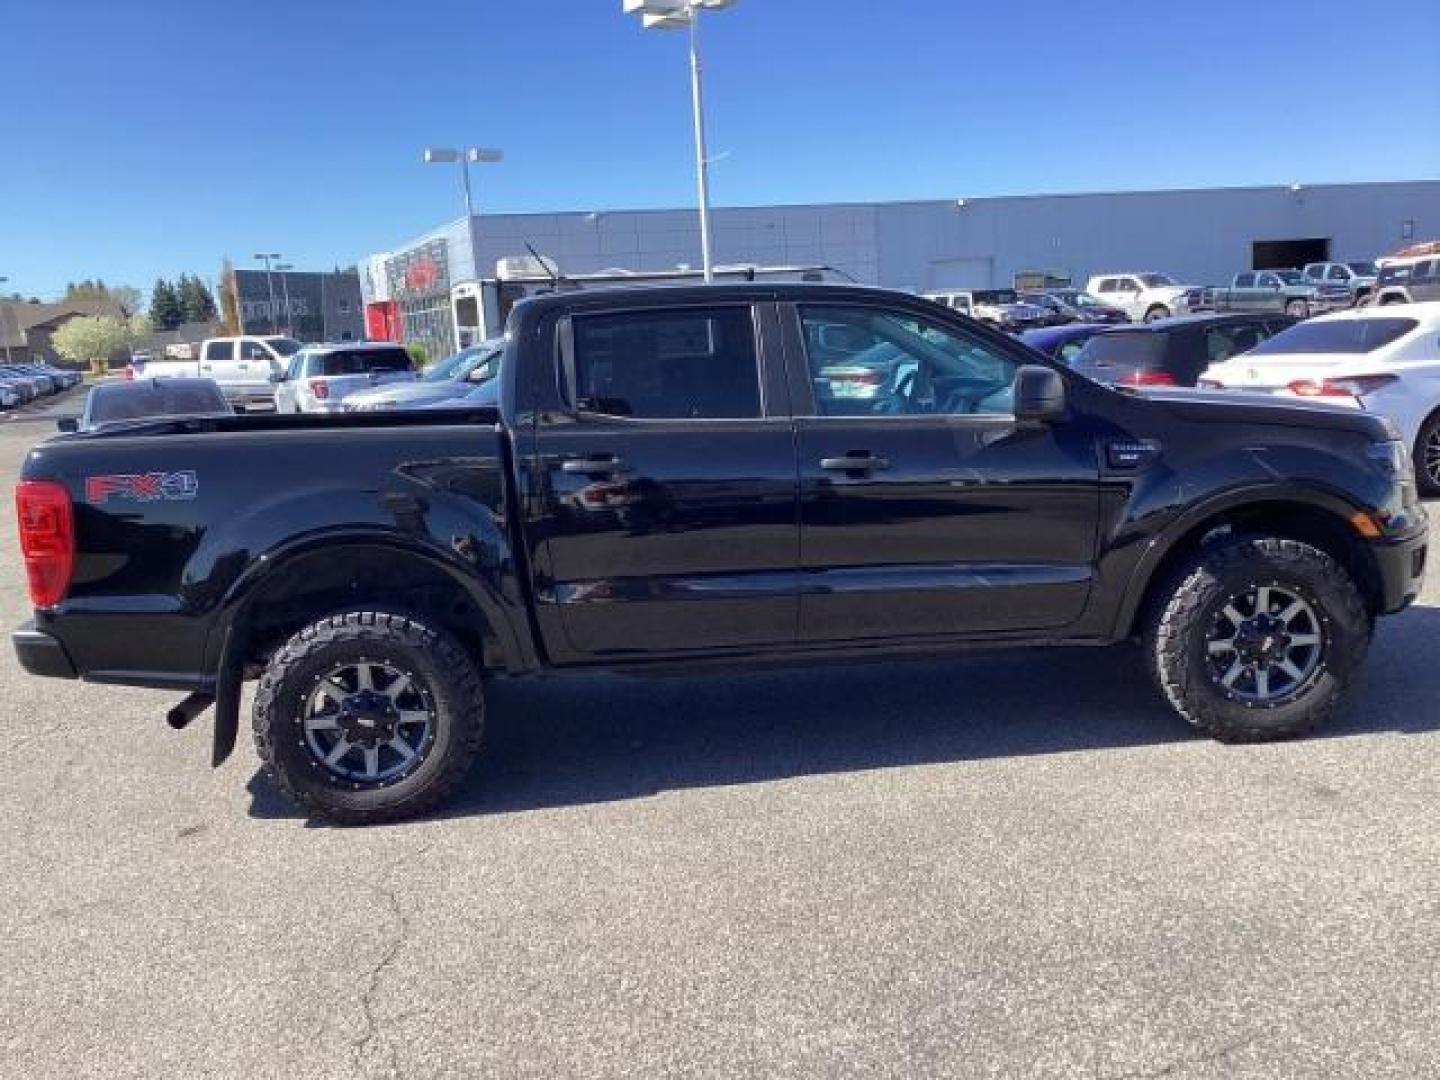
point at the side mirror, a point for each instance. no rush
(68, 423)
(1039, 394)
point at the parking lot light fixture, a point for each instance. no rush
(685, 15)
(284, 269)
(3, 280)
(479, 155)
(268, 257)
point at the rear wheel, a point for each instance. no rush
(1427, 456)
(368, 716)
(1297, 309)
(1158, 311)
(1257, 637)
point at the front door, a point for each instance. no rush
(668, 487)
(926, 509)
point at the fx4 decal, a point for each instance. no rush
(142, 487)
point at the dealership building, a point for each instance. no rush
(309, 305)
(457, 282)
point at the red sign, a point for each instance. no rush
(422, 274)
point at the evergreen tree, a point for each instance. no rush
(196, 302)
(165, 310)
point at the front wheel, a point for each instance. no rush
(368, 716)
(1427, 456)
(1159, 311)
(1257, 637)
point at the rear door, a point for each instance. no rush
(666, 485)
(926, 510)
(217, 358)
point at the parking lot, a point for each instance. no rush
(1015, 865)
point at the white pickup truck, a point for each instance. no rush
(241, 365)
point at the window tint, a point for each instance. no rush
(1110, 357)
(668, 365)
(1223, 342)
(1339, 336)
(1108, 285)
(253, 350)
(1244, 281)
(218, 352)
(157, 398)
(1338, 273)
(1391, 274)
(359, 362)
(1267, 281)
(872, 361)
(283, 346)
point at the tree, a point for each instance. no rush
(93, 339)
(196, 303)
(125, 297)
(166, 312)
(229, 302)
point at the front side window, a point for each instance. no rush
(1338, 273)
(684, 364)
(872, 361)
(253, 350)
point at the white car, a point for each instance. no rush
(320, 377)
(1146, 296)
(1382, 360)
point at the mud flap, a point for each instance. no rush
(227, 701)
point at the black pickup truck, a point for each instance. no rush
(709, 475)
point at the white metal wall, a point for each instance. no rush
(1201, 236)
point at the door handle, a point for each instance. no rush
(854, 463)
(596, 466)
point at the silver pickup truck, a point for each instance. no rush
(1281, 291)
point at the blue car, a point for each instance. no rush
(1062, 342)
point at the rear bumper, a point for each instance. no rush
(1402, 569)
(41, 654)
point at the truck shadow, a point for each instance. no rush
(601, 738)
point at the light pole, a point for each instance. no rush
(284, 268)
(445, 155)
(675, 15)
(269, 283)
(3, 329)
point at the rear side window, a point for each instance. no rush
(694, 364)
(218, 352)
(1120, 353)
(1244, 281)
(1340, 336)
(359, 362)
(161, 398)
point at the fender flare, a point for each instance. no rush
(1163, 544)
(226, 644)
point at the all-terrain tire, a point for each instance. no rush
(436, 662)
(1178, 634)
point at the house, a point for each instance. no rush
(27, 330)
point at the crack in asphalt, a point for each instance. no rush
(363, 1047)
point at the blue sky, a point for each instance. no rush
(151, 138)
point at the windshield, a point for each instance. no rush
(994, 296)
(284, 346)
(456, 367)
(1290, 277)
(1364, 268)
(1339, 336)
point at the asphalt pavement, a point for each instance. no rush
(1017, 865)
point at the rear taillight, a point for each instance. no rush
(320, 388)
(1355, 386)
(1148, 378)
(130, 372)
(47, 538)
